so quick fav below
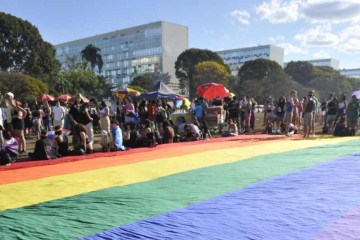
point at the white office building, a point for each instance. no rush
(134, 51)
(328, 62)
(235, 58)
(351, 73)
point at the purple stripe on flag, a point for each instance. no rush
(298, 205)
(345, 228)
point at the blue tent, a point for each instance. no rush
(159, 90)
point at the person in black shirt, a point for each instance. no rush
(44, 148)
(61, 142)
(331, 112)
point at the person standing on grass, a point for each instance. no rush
(290, 105)
(315, 113)
(352, 113)
(27, 120)
(58, 115)
(9, 98)
(47, 116)
(18, 114)
(309, 110)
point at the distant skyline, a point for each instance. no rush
(306, 29)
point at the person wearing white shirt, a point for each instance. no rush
(58, 115)
(3, 114)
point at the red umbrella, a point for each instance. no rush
(64, 97)
(212, 90)
(45, 97)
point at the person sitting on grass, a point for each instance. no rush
(192, 133)
(9, 149)
(61, 142)
(80, 140)
(117, 136)
(169, 133)
(131, 135)
(230, 130)
(44, 148)
(147, 138)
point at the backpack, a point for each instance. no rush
(310, 106)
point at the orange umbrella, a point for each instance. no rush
(45, 97)
(64, 97)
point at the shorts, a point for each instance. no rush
(352, 121)
(308, 118)
(18, 123)
(330, 118)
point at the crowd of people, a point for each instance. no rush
(148, 123)
(288, 115)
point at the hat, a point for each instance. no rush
(10, 94)
(43, 132)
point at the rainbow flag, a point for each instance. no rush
(230, 188)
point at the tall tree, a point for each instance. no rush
(22, 48)
(85, 82)
(275, 84)
(23, 86)
(185, 67)
(209, 71)
(258, 69)
(72, 62)
(91, 54)
(300, 71)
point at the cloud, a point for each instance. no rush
(278, 11)
(351, 45)
(349, 32)
(241, 16)
(314, 11)
(321, 54)
(331, 11)
(318, 36)
(290, 49)
(277, 38)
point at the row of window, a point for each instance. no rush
(125, 37)
(245, 53)
(140, 69)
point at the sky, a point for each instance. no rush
(306, 29)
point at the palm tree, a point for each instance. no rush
(91, 54)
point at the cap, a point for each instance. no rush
(10, 94)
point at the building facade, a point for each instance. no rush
(127, 53)
(351, 73)
(329, 62)
(235, 58)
